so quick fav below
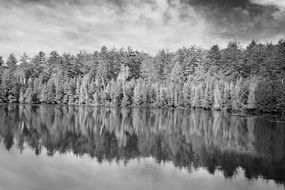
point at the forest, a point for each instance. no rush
(247, 79)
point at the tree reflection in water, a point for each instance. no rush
(189, 139)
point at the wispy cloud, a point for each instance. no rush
(277, 4)
(149, 25)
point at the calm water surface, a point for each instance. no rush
(69, 147)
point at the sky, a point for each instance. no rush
(149, 25)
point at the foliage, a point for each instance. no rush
(231, 78)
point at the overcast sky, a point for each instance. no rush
(148, 25)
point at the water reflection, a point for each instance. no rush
(189, 139)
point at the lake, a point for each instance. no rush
(77, 147)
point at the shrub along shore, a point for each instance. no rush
(243, 80)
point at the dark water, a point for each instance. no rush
(61, 147)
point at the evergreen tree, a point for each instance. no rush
(217, 98)
(124, 73)
(106, 96)
(1, 61)
(37, 87)
(44, 94)
(239, 96)
(71, 91)
(251, 102)
(116, 92)
(148, 70)
(29, 96)
(127, 95)
(14, 92)
(6, 85)
(51, 92)
(145, 95)
(21, 96)
(66, 87)
(138, 95)
(187, 94)
(11, 61)
(132, 60)
(59, 90)
(177, 96)
(196, 99)
(38, 62)
(77, 90)
(227, 101)
(176, 73)
(24, 59)
(281, 97)
(206, 101)
(231, 60)
(213, 59)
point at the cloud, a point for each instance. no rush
(278, 4)
(150, 25)
(241, 19)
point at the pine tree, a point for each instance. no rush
(251, 102)
(239, 96)
(145, 95)
(116, 93)
(96, 99)
(192, 94)
(29, 96)
(265, 96)
(127, 93)
(213, 60)
(176, 73)
(138, 98)
(59, 90)
(44, 94)
(206, 100)
(196, 99)
(231, 59)
(1, 61)
(51, 93)
(14, 92)
(21, 96)
(11, 61)
(227, 97)
(65, 98)
(177, 96)
(132, 60)
(147, 69)
(186, 94)
(24, 59)
(157, 95)
(217, 98)
(163, 97)
(37, 86)
(281, 97)
(6, 85)
(106, 96)
(124, 73)
(81, 95)
(77, 90)
(71, 91)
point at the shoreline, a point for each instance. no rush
(233, 113)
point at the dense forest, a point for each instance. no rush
(250, 79)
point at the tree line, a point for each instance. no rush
(250, 79)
